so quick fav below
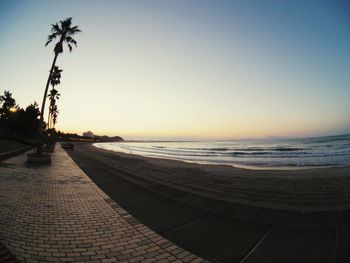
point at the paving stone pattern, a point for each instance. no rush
(6, 256)
(55, 213)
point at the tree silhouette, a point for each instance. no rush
(30, 120)
(53, 97)
(54, 114)
(64, 32)
(56, 76)
(7, 103)
(15, 121)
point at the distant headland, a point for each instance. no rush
(106, 138)
(88, 137)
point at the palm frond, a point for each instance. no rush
(74, 30)
(56, 69)
(65, 24)
(68, 20)
(56, 29)
(48, 42)
(50, 38)
(64, 31)
(70, 40)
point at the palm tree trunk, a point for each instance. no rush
(39, 148)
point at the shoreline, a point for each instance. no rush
(186, 204)
(265, 165)
(311, 171)
(310, 189)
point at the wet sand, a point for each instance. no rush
(320, 189)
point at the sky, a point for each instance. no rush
(186, 69)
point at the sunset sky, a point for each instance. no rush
(186, 69)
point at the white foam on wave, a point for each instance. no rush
(255, 154)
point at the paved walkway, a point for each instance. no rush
(56, 213)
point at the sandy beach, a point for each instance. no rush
(320, 189)
(266, 216)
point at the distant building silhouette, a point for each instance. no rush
(88, 134)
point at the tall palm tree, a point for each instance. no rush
(53, 95)
(64, 32)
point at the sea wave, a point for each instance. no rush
(302, 153)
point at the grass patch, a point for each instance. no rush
(10, 145)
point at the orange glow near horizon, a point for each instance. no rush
(179, 69)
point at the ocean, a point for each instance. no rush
(330, 151)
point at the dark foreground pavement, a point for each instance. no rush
(55, 213)
(217, 230)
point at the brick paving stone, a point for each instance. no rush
(55, 213)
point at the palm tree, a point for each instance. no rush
(54, 95)
(54, 114)
(56, 76)
(64, 32)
